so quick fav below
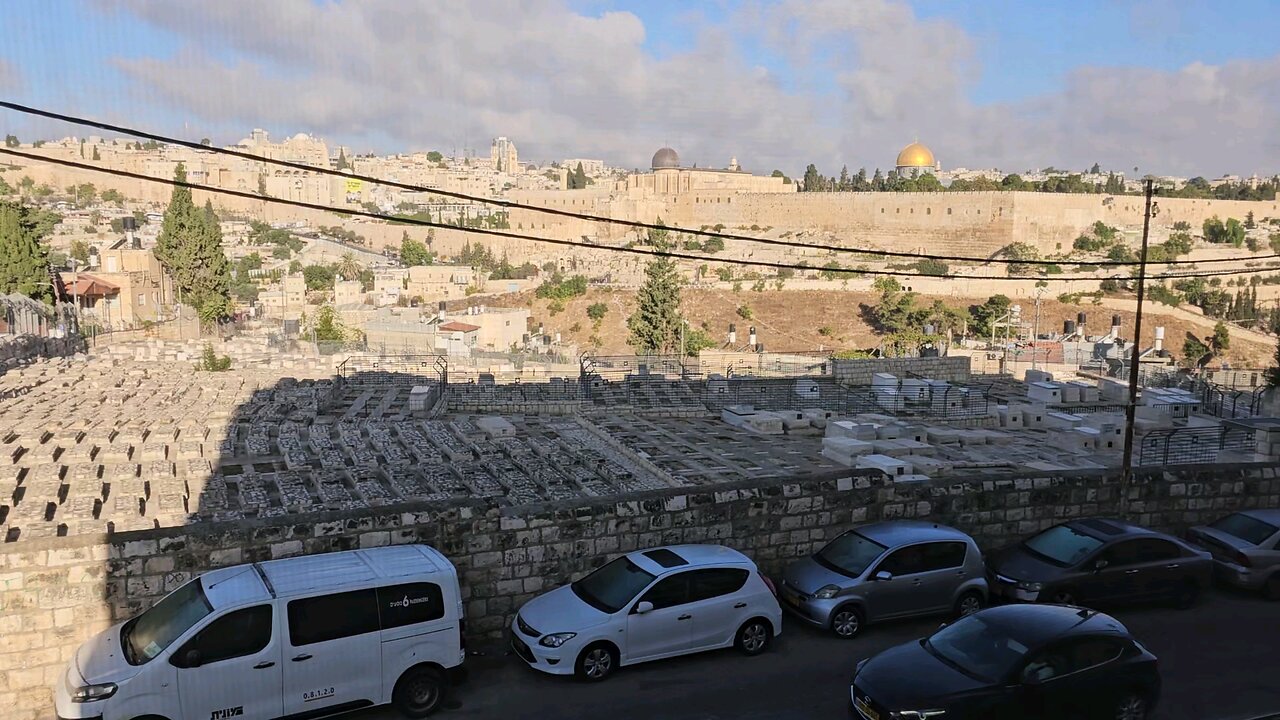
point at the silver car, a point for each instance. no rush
(1246, 549)
(886, 570)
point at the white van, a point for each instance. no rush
(300, 637)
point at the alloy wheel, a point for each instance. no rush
(597, 663)
(754, 637)
(845, 623)
(970, 604)
(1131, 707)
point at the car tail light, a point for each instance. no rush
(769, 584)
(1241, 559)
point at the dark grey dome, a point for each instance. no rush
(665, 158)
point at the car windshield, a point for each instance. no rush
(1251, 530)
(977, 648)
(147, 635)
(1062, 545)
(850, 554)
(613, 585)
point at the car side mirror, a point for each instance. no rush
(643, 607)
(192, 659)
(943, 626)
(883, 576)
(1100, 564)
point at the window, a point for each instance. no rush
(850, 554)
(1155, 550)
(904, 561)
(1062, 545)
(142, 299)
(612, 586)
(329, 617)
(1128, 552)
(666, 558)
(236, 634)
(147, 635)
(411, 603)
(1251, 530)
(714, 582)
(670, 591)
(1072, 656)
(943, 555)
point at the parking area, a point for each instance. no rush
(1218, 661)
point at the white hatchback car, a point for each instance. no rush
(648, 605)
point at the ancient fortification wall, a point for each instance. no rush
(56, 592)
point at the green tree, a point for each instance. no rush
(434, 156)
(1249, 224)
(295, 267)
(1193, 350)
(579, 177)
(597, 311)
(1272, 374)
(5, 188)
(326, 327)
(342, 163)
(414, 252)
(24, 258)
(190, 247)
(812, 180)
(348, 267)
(1221, 339)
(80, 252)
(655, 325)
(112, 195)
(318, 277)
(11, 141)
(983, 316)
(26, 186)
(281, 252)
(1019, 253)
(96, 156)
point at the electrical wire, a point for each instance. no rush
(566, 243)
(635, 224)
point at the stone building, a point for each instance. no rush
(668, 177)
(916, 160)
(502, 153)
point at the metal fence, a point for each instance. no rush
(1192, 445)
(390, 369)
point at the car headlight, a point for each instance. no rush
(1030, 586)
(826, 592)
(93, 693)
(555, 640)
(917, 714)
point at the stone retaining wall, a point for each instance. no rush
(17, 349)
(56, 592)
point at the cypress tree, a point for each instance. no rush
(24, 259)
(655, 325)
(190, 248)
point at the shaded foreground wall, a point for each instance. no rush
(54, 593)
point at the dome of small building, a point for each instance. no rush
(665, 158)
(916, 155)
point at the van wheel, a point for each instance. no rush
(846, 622)
(596, 662)
(969, 603)
(753, 637)
(419, 692)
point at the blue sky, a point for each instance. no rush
(1026, 63)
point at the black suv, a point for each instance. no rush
(1013, 662)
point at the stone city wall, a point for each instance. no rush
(17, 349)
(56, 592)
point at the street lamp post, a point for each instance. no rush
(1126, 472)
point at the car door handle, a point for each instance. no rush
(739, 606)
(264, 665)
(916, 582)
(1130, 572)
(300, 658)
(684, 617)
(1173, 566)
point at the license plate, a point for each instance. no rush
(865, 709)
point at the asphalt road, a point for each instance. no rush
(1219, 661)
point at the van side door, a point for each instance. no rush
(332, 653)
(416, 628)
(231, 667)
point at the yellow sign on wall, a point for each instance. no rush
(353, 186)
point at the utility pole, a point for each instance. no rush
(1035, 331)
(1126, 471)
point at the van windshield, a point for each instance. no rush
(148, 634)
(613, 585)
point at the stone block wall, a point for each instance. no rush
(17, 349)
(859, 372)
(56, 592)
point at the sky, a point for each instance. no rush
(1178, 87)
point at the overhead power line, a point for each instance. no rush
(556, 241)
(510, 204)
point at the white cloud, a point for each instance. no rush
(860, 80)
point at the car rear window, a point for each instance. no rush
(1062, 545)
(1249, 529)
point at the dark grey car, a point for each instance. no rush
(1096, 561)
(1246, 549)
(886, 570)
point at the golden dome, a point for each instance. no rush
(916, 155)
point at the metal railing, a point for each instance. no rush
(1182, 446)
